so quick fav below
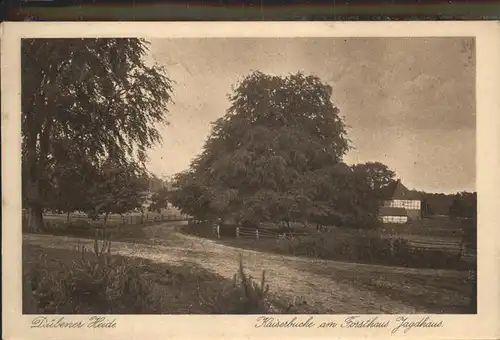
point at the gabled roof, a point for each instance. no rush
(396, 190)
(391, 211)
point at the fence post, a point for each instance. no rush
(257, 234)
(237, 232)
(218, 231)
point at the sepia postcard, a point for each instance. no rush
(250, 180)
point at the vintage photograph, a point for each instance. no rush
(307, 175)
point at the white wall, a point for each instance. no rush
(394, 219)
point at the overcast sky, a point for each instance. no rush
(410, 103)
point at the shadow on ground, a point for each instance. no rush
(435, 294)
(179, 289)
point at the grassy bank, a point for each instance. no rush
(371, 247)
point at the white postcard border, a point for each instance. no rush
(484, 325)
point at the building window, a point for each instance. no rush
(414, 205)
(407, 204)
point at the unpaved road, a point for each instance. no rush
(288, 276)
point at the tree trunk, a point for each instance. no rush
(35, 219)
(32, 188)
(34, 208)
(38, 127)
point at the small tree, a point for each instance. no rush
(376, 175)
(194, 197)
(159, 200)
(118, 189)
(464, 205)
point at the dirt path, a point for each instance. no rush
(287, 276)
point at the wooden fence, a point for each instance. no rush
(452, 246)
(118, 219)
(458, 248)
(257, 234)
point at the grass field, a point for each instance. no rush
(421, 244)
(317, 286)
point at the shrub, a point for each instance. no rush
(370, 249)
(243, 296)
(93, 284)
(254, 295)
(199, 228)
(43, 292)
(296, 305)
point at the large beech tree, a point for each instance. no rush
(85, 101)
(276, 155)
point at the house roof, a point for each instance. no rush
(391, 211)
(396, 190)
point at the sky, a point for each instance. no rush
(409, 102)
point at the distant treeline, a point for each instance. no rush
(462, 204)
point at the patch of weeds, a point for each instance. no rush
(93, 283)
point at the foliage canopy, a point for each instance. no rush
(84, 102)
(276, 155)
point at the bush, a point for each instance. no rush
(94, 284)
(253, 295)
(376, 250)
(199, 228)
(244, 296)
(295, 305)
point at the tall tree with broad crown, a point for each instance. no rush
(263, 157)
(86, 101)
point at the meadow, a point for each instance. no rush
(436, 243)
(162, 268)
